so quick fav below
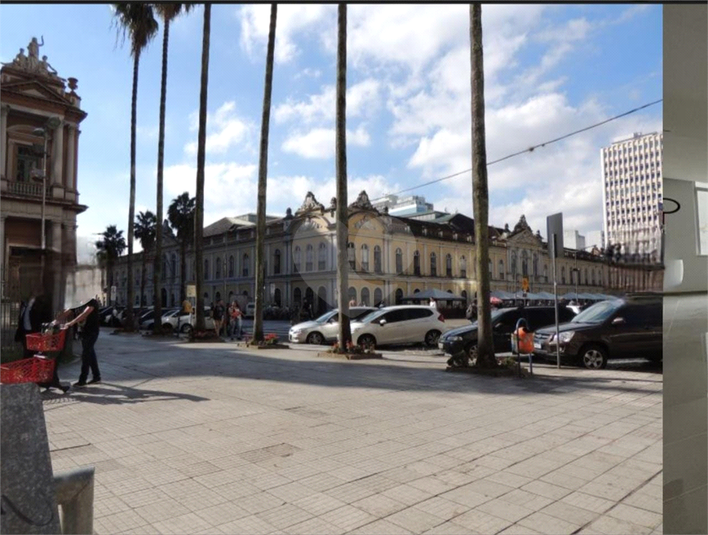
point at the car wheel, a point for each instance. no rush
(186, 328)
(431, 338)
(593, 357)
(366, 340)
(315, 338)
(167, 328)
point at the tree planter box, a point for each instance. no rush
(271, 346)
(350, 356)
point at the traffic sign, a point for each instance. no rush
(525, 284)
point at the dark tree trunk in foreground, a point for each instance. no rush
(201, 152)
(345, 333)
(262, 183)
(485, 348)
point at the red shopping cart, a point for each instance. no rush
(37, 369)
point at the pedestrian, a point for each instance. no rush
(352, 302)
(433, 304)
(236, 321)
(218, 315)
(87, 313)
(471, 313)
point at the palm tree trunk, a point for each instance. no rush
(157, 270)
(485, 347)
(131, 208)
(143, 279)
(201, 152)
(262, 183)
(183, 272)
(345, 334)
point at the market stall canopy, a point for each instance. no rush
(438, 295)
(500, 294)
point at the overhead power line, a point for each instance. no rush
(533, 147)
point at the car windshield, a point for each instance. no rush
(324, 318)
(495, 314)
(370, 316)
(598, 312)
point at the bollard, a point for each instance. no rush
(74, 492)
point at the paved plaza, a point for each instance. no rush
(210, 438)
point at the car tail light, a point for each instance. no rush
(441, 318)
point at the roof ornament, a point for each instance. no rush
(521, 225)
(310, 204)
(362, 202)
(32, 63)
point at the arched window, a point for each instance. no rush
(524, 264)
(352, 294)
(276, 262)
(206, 269)
(535, 265)
(309, 258)
(173, 264)
(276, 297)
(231, 266)
(563, 275)
(296, 259)
(399, 261)
(593, 277)
(416, 263)
(463, 267)
(378, 297)
(322, 257)
(217, 267)
(463, 294)
(365, 297)
(501, 269)
(297, 296)
(246, 264)
(433, 265)
(365, 257)
(448, 265)
(165, 267)
(399, 296)
(513, 264)
(351, 256)
(377, 262)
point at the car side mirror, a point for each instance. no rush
(618, 321)
(382, 323)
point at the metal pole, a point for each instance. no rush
(555, 300)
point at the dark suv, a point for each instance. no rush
(464, 339)
(614, 329)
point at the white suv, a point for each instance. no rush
(172, 319)
(406, 324)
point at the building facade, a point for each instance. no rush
(389, 258)
(632, 193)
(41, 115)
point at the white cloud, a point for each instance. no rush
(319, 143)
(225, 129)
(362, 99)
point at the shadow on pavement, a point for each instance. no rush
(114, 394)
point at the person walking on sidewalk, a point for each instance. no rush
(218, 315)
(88, 313)
(236, 317)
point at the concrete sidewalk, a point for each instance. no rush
(207, 438)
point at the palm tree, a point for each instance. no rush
(137, 20)
(145, 229)
(345, 333)
(181, 217)
(201, 153)
(110, 247)
(262, 182)
(167, 12)
(485, 344)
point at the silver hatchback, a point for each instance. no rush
(325, 328)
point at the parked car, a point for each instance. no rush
(325, 328)
(250, 310)
(171, 321)
(147, 321)
(614, 329)
(503, 325)
(402, 324)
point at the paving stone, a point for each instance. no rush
(249, 524)
(607, 525)
(284, 516)
(183, 525)
(222, 513)
(570, 513)
(415, 520)
(318, 503)
(588, 501)
(407, 495)
(119, 522)
(505, 510)
(635, 515)
(645, 501)
(379, 505)
(442, 508)
(544, 523)
(481, 522)
(548, 490)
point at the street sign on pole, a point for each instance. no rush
(191, 290)
(525, 284)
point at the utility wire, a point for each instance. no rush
(533, 147)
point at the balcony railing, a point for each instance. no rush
(29, 189)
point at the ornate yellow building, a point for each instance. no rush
(389, 258)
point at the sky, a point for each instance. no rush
(549, 70)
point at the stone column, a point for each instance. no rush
(70, 176)
(3, 140)
(58, 156)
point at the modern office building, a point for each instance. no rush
(632, 193)
(572, 239)
(398, 206)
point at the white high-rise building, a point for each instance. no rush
(632, 192)
(572, 239)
